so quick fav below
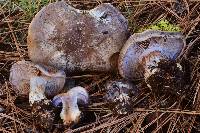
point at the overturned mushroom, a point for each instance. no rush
(70, 111)
(76, 40)
(37, 81)
(152, 55)
(119, 95)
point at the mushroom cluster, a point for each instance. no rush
(62, 39)
(41, 83)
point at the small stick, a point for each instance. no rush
(168, 111)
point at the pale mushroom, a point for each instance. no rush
(146, 49)
(70, 111)
(120, 95)
(152, 54)
(37, 81)
(76, 40)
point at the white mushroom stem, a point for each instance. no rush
(37, 89)
(41, 84)
(70, 110)
(36, 81)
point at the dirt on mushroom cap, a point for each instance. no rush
(171, 44)
(65, 37)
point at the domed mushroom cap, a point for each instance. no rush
(143, 47)
(25, 76)
(76, 40)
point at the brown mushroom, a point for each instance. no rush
(37, 81)
(152, 55)
(76, 40)
(70, 112)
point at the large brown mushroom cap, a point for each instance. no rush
(76, 40)
(24, 73)
(151, 42)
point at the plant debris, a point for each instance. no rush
(166, 113)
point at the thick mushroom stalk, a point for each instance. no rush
(152, 55)
(37, 81)
(76, 40)
(70, 100)
(37, 90)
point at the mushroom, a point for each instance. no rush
(76, 40)
(152, 55)
(119, 95)
(70, 112)
(37, 81)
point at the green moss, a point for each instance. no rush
(162, 25)
(31, 7)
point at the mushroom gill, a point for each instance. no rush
(153, 55)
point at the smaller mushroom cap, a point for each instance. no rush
(168, 44)
(25, 76)
(70, 100)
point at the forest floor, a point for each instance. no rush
(183, 116)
